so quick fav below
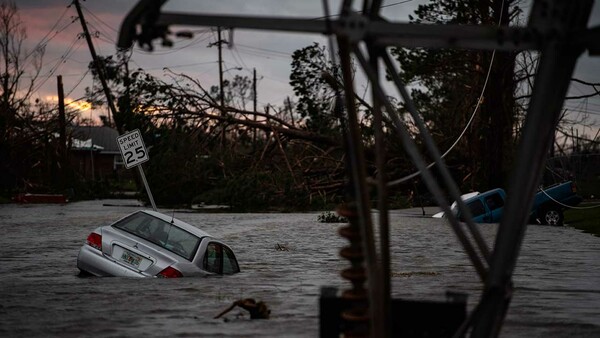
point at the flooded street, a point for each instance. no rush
(557, 281)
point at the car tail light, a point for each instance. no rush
(573, 187)
(95, 241)
(170, 272)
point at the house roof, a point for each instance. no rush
(100, 136)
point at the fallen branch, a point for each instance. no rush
(257, 310)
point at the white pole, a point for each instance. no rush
(147, 186)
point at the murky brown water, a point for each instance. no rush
(557, 279)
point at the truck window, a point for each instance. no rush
(494, 201)
(476, 207)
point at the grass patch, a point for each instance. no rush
(587, 220)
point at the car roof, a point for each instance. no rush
(181, 224)
(483, 194)
(465, 197)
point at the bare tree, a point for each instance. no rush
(19, 70)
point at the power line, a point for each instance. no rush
(97, 63)
(100, 33)
(98, 19)
(276, 52)
(234, 51)
(479, 101)
(581, 111)
(396, 4)
(183, 65)
(195, 41)
(43, 40)
(383, 6)
(60, 61)
(78, 82)
(105, 40)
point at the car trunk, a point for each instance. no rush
(134, 252)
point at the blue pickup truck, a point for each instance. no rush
(548, 204)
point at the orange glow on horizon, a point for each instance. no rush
(79, 105)
(82, 106)
(84, 109)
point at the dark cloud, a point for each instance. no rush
(264, 51)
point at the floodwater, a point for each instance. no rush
(557, 279)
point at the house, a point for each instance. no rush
(94, 152)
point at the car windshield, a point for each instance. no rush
(161, 233)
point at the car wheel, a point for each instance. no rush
(553, 216)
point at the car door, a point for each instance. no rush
(495, 203)
(478, 210)
(219, 259)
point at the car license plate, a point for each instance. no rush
(131, 258)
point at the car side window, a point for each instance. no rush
(213, 258)
(220, 259)
(477, 208)
(230, 265)
(494, 201)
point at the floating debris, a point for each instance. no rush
(282, 247)
(415, 273)
(330, 217)
(258, 310)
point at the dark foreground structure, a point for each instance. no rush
(557, 29)
(410, 318)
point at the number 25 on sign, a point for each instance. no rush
(132, 148)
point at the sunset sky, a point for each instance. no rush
(268, 52)
(55, 24)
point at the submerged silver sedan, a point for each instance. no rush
(150, 244)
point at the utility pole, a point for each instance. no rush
(219, 42)
(254, 89)
(97, 63)
(290, 110)
(62, 141)
(222, 92)
(254, 99)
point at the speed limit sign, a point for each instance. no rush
(132, 148)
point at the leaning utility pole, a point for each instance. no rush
(254, 95)
(62, 126)
(97, 63)
(219, 41)
(222, 92)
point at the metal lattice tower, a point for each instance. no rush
(557, 29)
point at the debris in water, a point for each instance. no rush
(330, 217)
(415, 273)
(257, 310)
(281, 247)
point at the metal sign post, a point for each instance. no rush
(134, 153)
(147, 187)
